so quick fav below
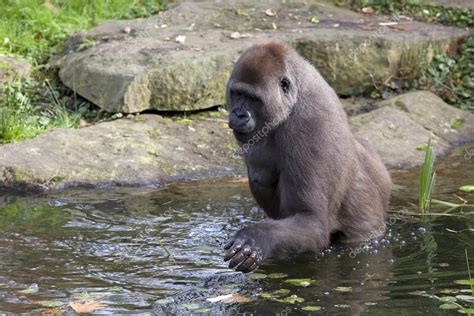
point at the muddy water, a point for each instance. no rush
(143, 251)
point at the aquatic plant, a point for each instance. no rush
(427, 179)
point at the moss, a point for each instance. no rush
(402, 106)
(457, 123)
(154, 134)
(184, 120)
(167, 168)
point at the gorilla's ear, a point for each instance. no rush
(285, 85)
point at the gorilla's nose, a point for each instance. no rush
(239, 119)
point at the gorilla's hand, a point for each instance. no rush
(244, 252)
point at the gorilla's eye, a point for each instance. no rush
(285, 85)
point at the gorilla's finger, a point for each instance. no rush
(238, 259)
(229, 244)
(251, 268)
(232, 251)
(251, 259)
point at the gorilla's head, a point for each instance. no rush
(262, 89)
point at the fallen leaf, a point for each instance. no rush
(180, 39)
(51, 311)
(314, 20)
(33, 288)
(84, 123)
(401, 27)
(270, 12)
(239, 180)
(388, 23)
(367, 10)
(230, 298)
(86, 307)
(237, 35)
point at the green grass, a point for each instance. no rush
(34, 30)
(427, 179)
(456, 16)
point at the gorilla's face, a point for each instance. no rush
(261, 91)
(253, 107)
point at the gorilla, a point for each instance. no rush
(307, 171)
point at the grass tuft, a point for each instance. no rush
(34, 30)
(427, 179)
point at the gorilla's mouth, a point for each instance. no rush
(243, 129)
(242, 126)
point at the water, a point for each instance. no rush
(129, 248)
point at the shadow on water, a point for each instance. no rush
(139, 250)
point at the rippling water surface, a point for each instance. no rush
(144, 250)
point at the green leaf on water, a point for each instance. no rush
(257, 276)
(343, 289)
(274, 294)
(203, 310)
(291, 299)
(282, 291)
(464, 282)
(449, 306)
(447, 299)
(116, 289)
(466, 310)
(86, 296)
(419, 293)
(266, 295)
(420, 147)
(300, 282)
(467, 188)
(466, 298)
(32, 289)
(311, 308)
(277, 275)
(165, 301)
(50, 303)
(190, 306)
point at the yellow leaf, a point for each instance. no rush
(86, 307)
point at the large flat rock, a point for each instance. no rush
(147, 150)
(131, 66)
(152, 150)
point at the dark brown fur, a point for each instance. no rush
(305, 167)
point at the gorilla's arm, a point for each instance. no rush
(306, 229)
